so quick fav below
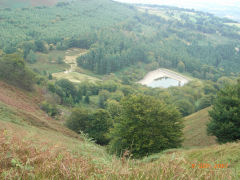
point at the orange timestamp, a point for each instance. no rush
(209, 166)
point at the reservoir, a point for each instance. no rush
(164, 82)
(163, 78)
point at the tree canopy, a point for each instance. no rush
(225, 115)
(145, 126)
(94, 123)
(14, 71)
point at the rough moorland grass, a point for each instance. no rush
(28, 159)
(30, 152)
(8, 115)
(195, 131)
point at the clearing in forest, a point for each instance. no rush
(74, 74)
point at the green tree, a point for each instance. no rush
(99, 126)
(78, 121)
(68, 87)
(225, 115)
(103, 97)
(40, 46)
(185, 107)
(96, 124)
(87, 99)
(145, 126)
(205, 101)
(113, 107)
(31, 57)
(181, 66)
(50, 77)
(49, 108)
(13, 70)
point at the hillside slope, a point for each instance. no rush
(27, 3)
(195, 131)
(25, 105)
(44, 149)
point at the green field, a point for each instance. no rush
(75, 77)
(48, 62)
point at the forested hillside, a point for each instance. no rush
(206, 46)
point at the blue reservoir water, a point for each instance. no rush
(164, 83)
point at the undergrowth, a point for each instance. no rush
(26, 159)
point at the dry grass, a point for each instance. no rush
(195, 131)
(28, 151)
(47, 155)
(25, 105)
(27, 160)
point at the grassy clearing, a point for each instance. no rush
(73, 73)
(195, 133)
(48, 62)
(75, 77)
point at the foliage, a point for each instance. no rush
(14, 71)
(145, 126)
(190, 41)
(225, 115)
(31, 159)
(95, 124)
(185, 107)
(31, 57)
(87, 99)
(51, 109)
(115, 52)
(103, 97)
(113, 107)
(69, 91)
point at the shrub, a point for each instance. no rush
(51, 109)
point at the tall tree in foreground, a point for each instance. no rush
(225, 115)
(145, 126)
